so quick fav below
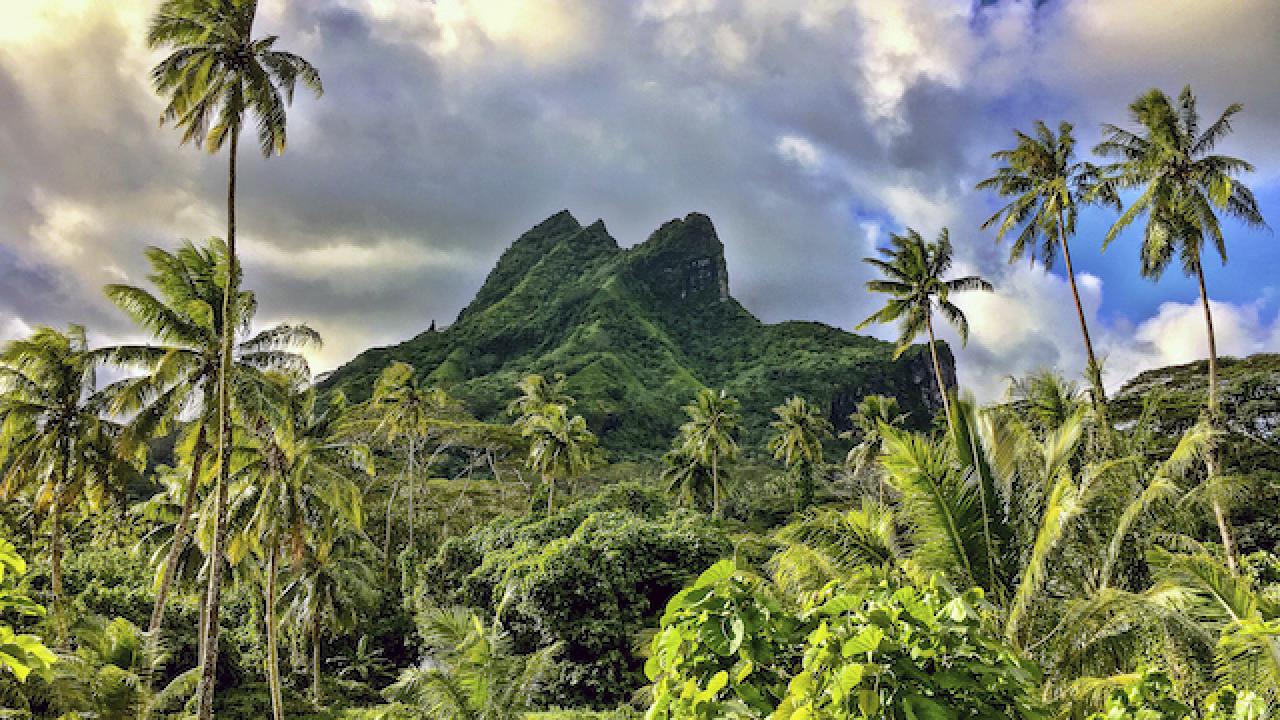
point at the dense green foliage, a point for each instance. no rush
(588, 578)
(218, 534)
(732, 646)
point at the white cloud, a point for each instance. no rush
(800, 151)
(904, 42)
(1176, 334)
(1030, 323)
(13, 327)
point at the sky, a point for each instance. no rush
(807, 131)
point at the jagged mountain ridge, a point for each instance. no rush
(638, 332)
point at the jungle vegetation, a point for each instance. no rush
(608, 491)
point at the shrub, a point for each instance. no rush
(730, 647)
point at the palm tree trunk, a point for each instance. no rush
(413, 495)
(209, 656)
(550, 482)
(55, 548)
(1211, 453)
(1093, 371)
(315, 660)
(273, 652)
(937, 370)
(180, 535)
(715, 487)
(55, 562)
(1213, 345)
(386, 552)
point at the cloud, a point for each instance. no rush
(1176, 334)
(806, 130)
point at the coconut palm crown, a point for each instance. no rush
(914, 279)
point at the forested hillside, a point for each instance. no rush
(636, 333)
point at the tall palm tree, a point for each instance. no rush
(560, 445)
(186, 315)
(797, 442)
(330, 586)
(297, 475)
(704, 445)
(1047, 186)
(53, 438)
(914, 282)
(409, 412)
(1185, 187)
(872, 413)
(217, 76)
(471, 671)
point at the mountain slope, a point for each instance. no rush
(638, 332)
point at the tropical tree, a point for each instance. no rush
(470, 670)
(1047, 186)
(296, 475)
(1185, 187)
(409, 412)
(536, 394)
(704, 446)
(329, 587)
(366, 662)
(864, 427)
(53, 439)
(1045, 399)
(216, 76)
(102, 679)
(914, 280)
(831, 545)
(560, 445)
(689, 479)
(797, 443)
(178, 390)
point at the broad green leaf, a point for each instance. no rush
(716, 573)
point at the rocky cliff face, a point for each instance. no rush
(637, 332)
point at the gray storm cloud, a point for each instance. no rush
(804, 130)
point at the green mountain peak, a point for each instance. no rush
(637, 332)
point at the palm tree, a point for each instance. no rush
(297, 475)
(914, 271)
(559, 445)
(1047, 185)
(470, 670)
(690, 479)
(797, 442)
(536, 394)
(1014, 507)
(704, 445)
(872, 413)
(834, 545)
(52, 436)
(215, 77)
(409, 411)
(330, 586)
(186, 314)
(1185, 186)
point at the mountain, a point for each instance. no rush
(637, 332)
